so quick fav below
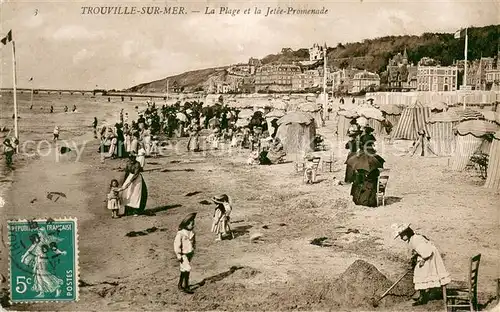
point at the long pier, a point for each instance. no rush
(53, 91)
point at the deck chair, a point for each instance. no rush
(381, 186)
(464, 297)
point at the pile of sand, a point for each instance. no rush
(354, 289)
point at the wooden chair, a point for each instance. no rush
(382, 186)
(328, 163)
(464, 297)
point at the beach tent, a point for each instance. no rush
(374, 118)
(491, 116)
(392, 113)
(469, 137)
(297, 131)
(273, 115)
(493, 173)
(277, 104)
(343, 123)
(437, 106)
(314, 110)
(467, 113)
(413, 119)
(441, 132)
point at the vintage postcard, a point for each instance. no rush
(271, 155)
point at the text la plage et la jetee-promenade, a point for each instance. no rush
(181, 10)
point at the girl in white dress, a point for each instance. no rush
(430, 271)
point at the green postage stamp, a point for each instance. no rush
(43, 260)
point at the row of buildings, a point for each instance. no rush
(400, 75)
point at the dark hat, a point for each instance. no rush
(186, 220)
(220, 199)
(369, 129)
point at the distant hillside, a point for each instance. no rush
(371, 54)
(189, 81)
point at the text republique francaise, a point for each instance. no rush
(181, 10)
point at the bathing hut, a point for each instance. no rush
(493, 173)
(470, 136)
(297, 131)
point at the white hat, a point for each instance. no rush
(399, 228)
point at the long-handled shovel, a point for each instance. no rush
(375, 301)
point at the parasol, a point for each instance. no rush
(364, 161)
(181, 117)
(370, 113)
(246, 113)
(242, 122)
(309, 107)
(391, 109)
(348, 114)
(275, 113)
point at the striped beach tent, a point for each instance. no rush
(469, 137)
(413, 119)
(441, 132)
(493, 173)
(467, 113)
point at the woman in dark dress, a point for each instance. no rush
(354, 133)
(364, 186)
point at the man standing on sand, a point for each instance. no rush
(94, 125)
(9, 149)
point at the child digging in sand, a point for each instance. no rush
(114, 201)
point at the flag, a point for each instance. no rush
(459, 34)
(7, 38)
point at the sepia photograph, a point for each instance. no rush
(309, 155)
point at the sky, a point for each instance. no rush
(62, 48)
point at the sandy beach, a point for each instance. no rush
(281, 270)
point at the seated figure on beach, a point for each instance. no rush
(276, 152)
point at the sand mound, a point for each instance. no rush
(353, 289)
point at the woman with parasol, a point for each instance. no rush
(365, 165)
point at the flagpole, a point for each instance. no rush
(324, 82)
(465, 67)
(14, 82)
(31, 92)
